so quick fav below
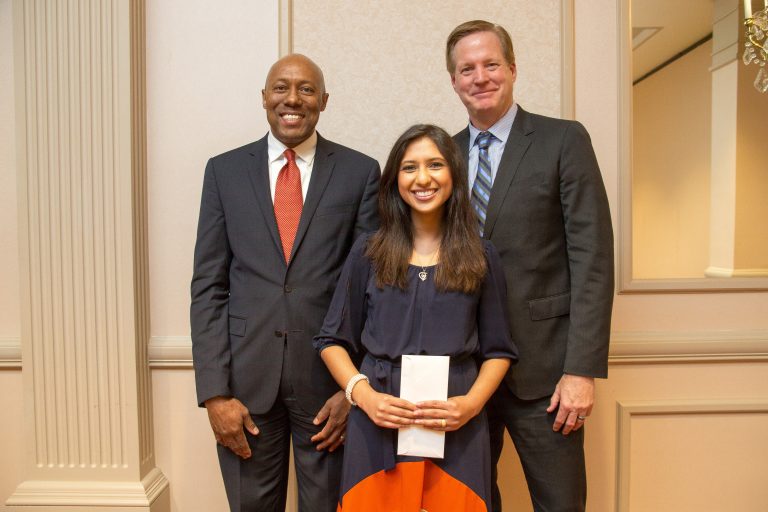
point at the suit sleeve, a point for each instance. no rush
(589, 239)
(209, 308)
(368, 212)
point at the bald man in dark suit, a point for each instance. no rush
(277, 219)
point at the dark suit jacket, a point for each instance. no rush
(250, 310)
(548, 217)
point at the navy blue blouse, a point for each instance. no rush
(389, 322)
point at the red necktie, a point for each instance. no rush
(288, 202)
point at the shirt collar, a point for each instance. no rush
(305, 150)
(500, 129)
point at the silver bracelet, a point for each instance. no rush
(351, 385)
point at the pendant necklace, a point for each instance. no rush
(423, 273)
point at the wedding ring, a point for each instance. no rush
(581, 418)
(443, 423)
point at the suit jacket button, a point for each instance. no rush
(288, 289)
(278, 334)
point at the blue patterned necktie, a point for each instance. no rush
(481, 189)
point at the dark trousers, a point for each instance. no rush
(259, 484)
(553, 463)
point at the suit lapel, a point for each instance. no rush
(321, 174)
(514, 150)
(462, 139)
(259, 175)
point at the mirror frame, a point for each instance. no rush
(627, 283)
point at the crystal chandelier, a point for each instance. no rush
(756, 43)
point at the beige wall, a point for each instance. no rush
(670, 171)
(386, 70)
(206, 66)
(697, 352)
(751, 234)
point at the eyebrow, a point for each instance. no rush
(433, 159)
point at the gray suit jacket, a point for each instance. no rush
(250, 311)
(548, 217)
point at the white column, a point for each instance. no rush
(80, 93)
(725, 38)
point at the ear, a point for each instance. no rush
(453, 80)
(513, 69)
(323, 101)
(264, 98)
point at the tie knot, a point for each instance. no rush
(290, 155)
(484, 139)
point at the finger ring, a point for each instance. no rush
(341, 437)
(581, 418)
(443, 423)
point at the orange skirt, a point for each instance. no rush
(411, 487)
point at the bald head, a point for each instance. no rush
(293, 96)
(297, 59)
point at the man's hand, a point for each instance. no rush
(575, 396)
(335, 411)
(228, 417)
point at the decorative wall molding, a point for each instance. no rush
(285, 27)
(170, 352)
(688, 346)
(567, 60)
(626, 347)
(625, 411)
(10, 353)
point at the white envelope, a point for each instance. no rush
(422, 378)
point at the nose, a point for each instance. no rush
(481, 75)
(293, 98)
(423, 178)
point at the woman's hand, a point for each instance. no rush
(447, 415)
(384, 410)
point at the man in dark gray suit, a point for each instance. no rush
(277, 219)
(540, 199)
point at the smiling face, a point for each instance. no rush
(424, 178)
(483, 78)
(293, 97)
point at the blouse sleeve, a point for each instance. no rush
(346, 315)
(492, 316)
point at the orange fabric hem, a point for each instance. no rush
(411, 487)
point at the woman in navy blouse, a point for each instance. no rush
(425, 284)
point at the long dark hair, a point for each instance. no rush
(462, 265)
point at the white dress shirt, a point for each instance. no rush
(305, 159)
